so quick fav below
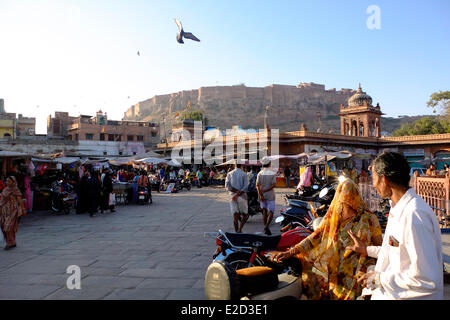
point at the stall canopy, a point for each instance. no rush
(122, 161)
(242, 161)
(313, 158)
(63, 160)
(12, 154)
(327, 156)
(280, 156)
(151, 160)
(174, 163)
(150, 154)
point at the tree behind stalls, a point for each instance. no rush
(424, 126)
(440, 100)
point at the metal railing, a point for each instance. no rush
(435, 190)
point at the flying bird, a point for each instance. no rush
(138, 53)
(181, 34)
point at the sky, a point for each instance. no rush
(81, 56)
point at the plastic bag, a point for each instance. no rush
(112, 199)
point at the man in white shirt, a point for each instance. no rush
(237, 184)
(409, 261)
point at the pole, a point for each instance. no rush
(165, 137)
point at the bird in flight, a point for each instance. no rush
(138, 53)
(181, 34)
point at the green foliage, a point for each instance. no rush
(440, 99)
(195, 115)
(427, 125)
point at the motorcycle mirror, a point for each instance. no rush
(279, 219)
(315, 187)
(323, 193)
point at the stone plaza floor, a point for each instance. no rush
(146, 252)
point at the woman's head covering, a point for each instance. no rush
(12, 190)
(305, 178)
(325, 246)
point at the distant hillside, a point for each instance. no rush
(226, 106)
(392, 124)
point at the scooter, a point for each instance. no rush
(304, 213)
(253, 204)
(143, 195)
(62, 197)
(242, 250)
(281, 281)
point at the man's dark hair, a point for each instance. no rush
(394, 167)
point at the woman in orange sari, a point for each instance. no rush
(11, 208)
(330, 271)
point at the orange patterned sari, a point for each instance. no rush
(330, 272)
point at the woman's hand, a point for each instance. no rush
(359, 246)
(281, 256)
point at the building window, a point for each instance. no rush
(102, 137)
(89, 136)
(110, 137)
(130, 138)
(140, 138)
(76, 136)
(105, 153)
(69, 137)
(120, 153)
(153, 134)
(119, 137)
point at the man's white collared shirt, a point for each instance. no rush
(413, 269)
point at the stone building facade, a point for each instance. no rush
(100, 128)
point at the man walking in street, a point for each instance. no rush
(409, 261)
(287, 176)
(237, 183)
(265, 184)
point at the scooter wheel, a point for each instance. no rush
(240, 260)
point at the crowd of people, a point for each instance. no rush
(346, 257)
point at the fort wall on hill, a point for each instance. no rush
(225, 106)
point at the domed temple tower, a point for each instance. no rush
(360, 118)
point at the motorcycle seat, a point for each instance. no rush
(298, 203)
(249, 239)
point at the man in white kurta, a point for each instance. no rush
(411, 268)
(409, 261)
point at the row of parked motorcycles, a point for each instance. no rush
(300, 215)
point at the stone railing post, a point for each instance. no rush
(447, 195)
(415, 184)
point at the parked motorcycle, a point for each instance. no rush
(242, 250)
(62, 197)
(184, 183)
(383, 214)
(304, 213)
(280, 281)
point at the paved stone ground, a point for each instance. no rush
(140, 252)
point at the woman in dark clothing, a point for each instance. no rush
(82, 196)
(93, 193)
(107, 188)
